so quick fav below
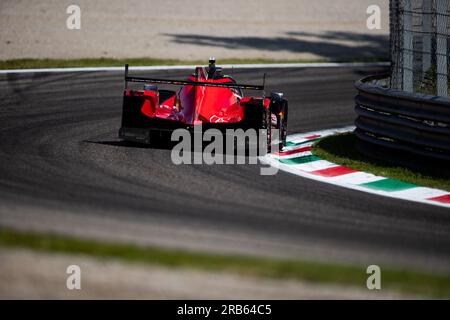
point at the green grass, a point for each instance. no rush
(341, 149)
(109, 62)
(433, 285)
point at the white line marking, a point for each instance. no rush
(295, 155)
(191, 67)
(420, 192)
(314, 166)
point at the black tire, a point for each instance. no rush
(268, 127)
(283, 121)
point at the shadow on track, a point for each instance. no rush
(330, 45)
(129, 144)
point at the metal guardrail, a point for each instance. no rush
(403, 121)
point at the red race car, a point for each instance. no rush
(207, 98)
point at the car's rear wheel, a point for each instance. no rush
(282, 120)
(268, 127)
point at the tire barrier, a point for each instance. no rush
(411, 123)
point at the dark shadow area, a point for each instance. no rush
(347, 149)
(167, 144)
(425, 166)
(38, 79)
(129, 144)
(366, 46)
(373, 72)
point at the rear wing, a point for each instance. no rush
(192, 83)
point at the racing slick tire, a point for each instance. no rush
(268, 127)
(283, 122)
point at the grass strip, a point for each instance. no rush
(341, 149)
(109, 62)
(433, 285)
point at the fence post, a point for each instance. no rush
(408, 79)
(427, 9)
(441, 47)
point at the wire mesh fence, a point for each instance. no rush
(420, 31)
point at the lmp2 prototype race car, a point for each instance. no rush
(207, 98)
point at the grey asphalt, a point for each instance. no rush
(59, 152)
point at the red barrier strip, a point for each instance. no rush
(333, 171)
(444, 199)
(313, 137)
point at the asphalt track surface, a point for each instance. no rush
(59, 151)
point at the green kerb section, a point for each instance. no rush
(389, 185)
(293, 144)
(299, 160)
